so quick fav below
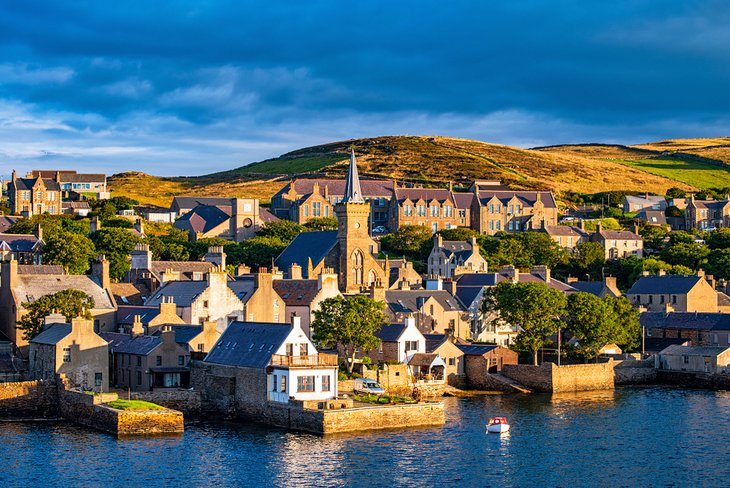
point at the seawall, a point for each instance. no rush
(549, 377)
(29, 399)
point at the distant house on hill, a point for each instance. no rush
(236, 220)
(635, 203)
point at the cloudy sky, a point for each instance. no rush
(186, 88)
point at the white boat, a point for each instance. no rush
(498, 425)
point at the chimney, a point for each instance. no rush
(95, 225)
(611, 284)
(137, 327)
(39, 232)
(542, 271)
(434, 282)
(263, 279)
(168, 307)
(409, 321)
(295, 272)
(636, 228)
(169, 275)
(80, 325)
(645, 273)
(668, 308)
(13, 177)
(142, 257)
(216, 256)
(100, 271)
(9, 274)
(54, 318)
(242, 270)
(710, 279)
(511, 272)
(581, 225)
(598, 227)
(450, 286)
(377, 291)
(473, 243)
(217, 278)
(139, 226)
(661, 272)
(438, 241)
(296, 321)
(167, 335)
(701, 273)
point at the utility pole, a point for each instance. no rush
(559, 341)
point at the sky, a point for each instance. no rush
(189, 88)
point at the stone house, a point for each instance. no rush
(607, 287)
(183, 204)
(142, 362)
(426, 368)
(436, 311)
(652, 217)
(397, 342)
(665, 293)
(149, 275)
(23, 248)
(635, 203)
(451, 258)
(483, 360)
(434, 208)
(453, 357)
(695, 359)
(303, 296)
(86, 184)
(277, 362)
(74, 350)
(567, 237)
(701, 328)
(129, 316)
(198, 340)
(237, 219)
(27, 283)
(259, 297)
(707, 214)
(34, 196)
(495, 209)
(210, 299)
(401, 274)
(618, 243)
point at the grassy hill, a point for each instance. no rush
(588, 168)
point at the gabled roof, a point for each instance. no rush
(390, 332)
(30, 287)
(129, 293)
(408, 301)
(183, 333)
(28, 183)
(140, 345)
(248, 344)
(19, 242)
(653, 217)
(425, 359)
(463, 200)
(469, 285)
(677, 350)
(619, 235)
(314, 245)
(125, 314)
(52, 334)
(6, 221)
(564, 230)
(527, 198)
(662, 285)
(426, 194)
(184, 293)
(370, 188)
(266, 216)
(476, 349)
(185, 268)
(646, 201)
(41, 269)
(183, 202)
(203, 218)
(434, 341)
(705, 321)
(297, 292)
(596, 288)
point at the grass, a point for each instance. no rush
(694, 172)
(134, 405)
(382, 399)
(292, 165)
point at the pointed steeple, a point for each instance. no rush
(353, 193)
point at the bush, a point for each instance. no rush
(341, 376)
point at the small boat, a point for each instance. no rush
(497, 425)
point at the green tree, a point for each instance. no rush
(117, 245)
(718, 263)
(286, 230)
(629, 328)
(592, 321)
(72, 251)
(119, 222)
(458, 234)
(534, 307)
(70, 303)
(543, 249)
(349, 323)
(718, 239)
(654, 237)
(197, 249)
(683, 254)
(675, 192)
(259, 251)
(321, 223)
(408, 241)
(588, 259)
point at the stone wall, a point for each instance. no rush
(632, 372)
(381, 417)
(693, 380)
(537, 378)
(550, 377)
(29, 399)
(394, 378)
(187, 401)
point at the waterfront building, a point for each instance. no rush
(397, 342)
(667, 293)
(701, 328)
(303, 296)
(442, 345)
(695, 359)
(481, 360)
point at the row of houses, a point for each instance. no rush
(698, 214)
(45, 191)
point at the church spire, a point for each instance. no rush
(353, 193)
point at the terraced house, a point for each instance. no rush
(495, 208)
(435, 208)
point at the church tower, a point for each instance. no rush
(358, 267)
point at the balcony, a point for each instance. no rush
(313, 361)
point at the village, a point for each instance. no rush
(347, 304)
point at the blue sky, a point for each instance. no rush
(186, 88)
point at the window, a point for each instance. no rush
(491, 225)
(491, 208)
(421, 210)
(357, 266)
(411, 346)
(305, 383)
(200, 348)
(499, 225)
(434, 211)
(273, 383)
(651, 298)
(674, 298)
(25, 195)
(158, 360)
(51, 195)
(205, 303)
(316, 209)
(139, 361)
(181, 360)
(326, 210)
(97, 379)
(510, 226)
(685, 359)
(39, 195)
(303, 349)
(139, 377)
(66, 354)
(325, 383)
(408, 210)
(511, 209)
(448, 211)
(306, 210)
(290, 349)
(452, 361)
(462, 214)
(283, 384)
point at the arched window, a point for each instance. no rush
(372, 278)
(357, 271)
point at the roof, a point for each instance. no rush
(476, 349)
(243, 287)
(184, 293)
(723, 300)
(125, 314)
(391, 332)
(596, 288)
(248, 344)
(705, 321)
(423, 359)
(128, 293)
(52, 334)
(713, 204)
(653, 217)
(41, 269)
(426, 194)
(370, 188)
(203, 218)
(297, 292)
(463, 200)
(190, 202)
(564, 230)
(30, 287)
(84, 177)
(314, 245)
(619, 235)
(656, 344)
(663, 285)
(434, 341)
(28, 183)
(76, 205)
(18, 242)
(266, 216)
(140, 345)
(352, 193)
(407, 301)
(183, 333)
(6, 221)
(185, 268)
(677, 350)
(469, 285)
(646, 200)
(527, 197)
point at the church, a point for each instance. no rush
(349, 251)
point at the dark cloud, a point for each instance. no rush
(187, 87)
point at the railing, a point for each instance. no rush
(313, 360)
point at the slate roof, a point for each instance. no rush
(190, 202)
(475, 349)
(185, 268)
(266, 216)
(705, 321)
(723, 300)
(564, 230)
(646, 201)
(125, 314)
(305, 245)
(243, 287)
(528, 198)
(248, 344)
(6, 221)
(653, 217)
(184, 293)
(140, 345)
(41, 269)
(370, 188)
(30, 287)
(619, 235)
(183, 333)
(677, 350)
(407, 301)
(593, 287)
(469, 285)
(27, 184)
(434, 341)
(391, 332)
(463, 200)
(663, 285)
(422, 359)
(202, 218)
(426, 194)
(297, 292)
(18, 242)
(128, 293)
(711, 204)
(656, 344)
(84, 178)
(52, 333)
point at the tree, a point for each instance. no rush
(683, 254)
(627, 317)
(70, 303)
(321, 223)
(349, 323)
(592, 321)
(409, 240)
(534, 307)
(719, 239)
(718, 263)
(286, 230)
(588, 259)
(259, 251)
(117, 245)
(458, 234)
(72, 251)
(543, 249)
(675, 192)
(197, 249)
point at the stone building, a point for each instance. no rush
(198, 340)
(451, 258)
(453, 357)
(34, 196)
(397, 342)
(257, 293)
(567, 237)
(635, 203)
(27, 283)
(664, 293)
(495, 210)
(434, 208)
(23, 248)
(483, 360)
(303, 296)
(618, 243)
(707, 214)
(83, 184)
(74, 350)
(701, 328)
(150, 275)
(695, 359)
(128, 317)
(237, 219)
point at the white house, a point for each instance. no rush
(398, 342)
